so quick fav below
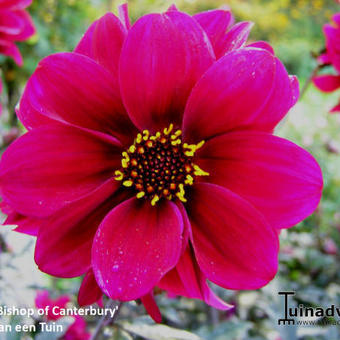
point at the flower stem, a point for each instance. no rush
(105, 320)
(309, 80)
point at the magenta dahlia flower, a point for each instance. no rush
(150, 161)
(77, 330)
(330, 82)
(15, 25)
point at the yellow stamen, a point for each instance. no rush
(156, 136)
(200, 144)
(127, 183)
(199, 172)
(139, 138)
(192, 148)
(176, 142)
(146, 134)
(119, 175)
(181, 193)
(132, 149)
(125, 160)
(154, 200)
(189, 180)
(168, 130)
(140, 194)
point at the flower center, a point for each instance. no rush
(159, 166)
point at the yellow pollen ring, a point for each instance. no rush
(138, 155)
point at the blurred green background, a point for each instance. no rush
(309, 260)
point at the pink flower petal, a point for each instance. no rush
(231, 94)
(234, 246)
(327, 83)
(263, 45)
(68, 252)
(15, 25)
(135, 246)
(333, 44)
(10, 22)
(324, 59)
(15, 4)
(151, 307)
(26, 225)
(43, 300)
(77, 331)
(85, 45)
(53, 93)
(123, 12)
(49, 167)
(336, 18)
(283, 95)
(294, 82)
(216, 23)
(335, 109)
(108, 39)
(89, 291)
(8, 48)
(280, 179)
(163, 57)
(186, 279)
(236, 37)
(103, 42)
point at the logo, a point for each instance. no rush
(300, 314)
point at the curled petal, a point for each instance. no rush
(186, 279)
(151, 307)
(8, 48)
(124, 15)
(216, 23)
(89, 291)
(236, 37)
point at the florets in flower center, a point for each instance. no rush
(159, 166)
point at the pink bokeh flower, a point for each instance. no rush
(330, 82)
(15, 25)
(77, 330)
(150, 159)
